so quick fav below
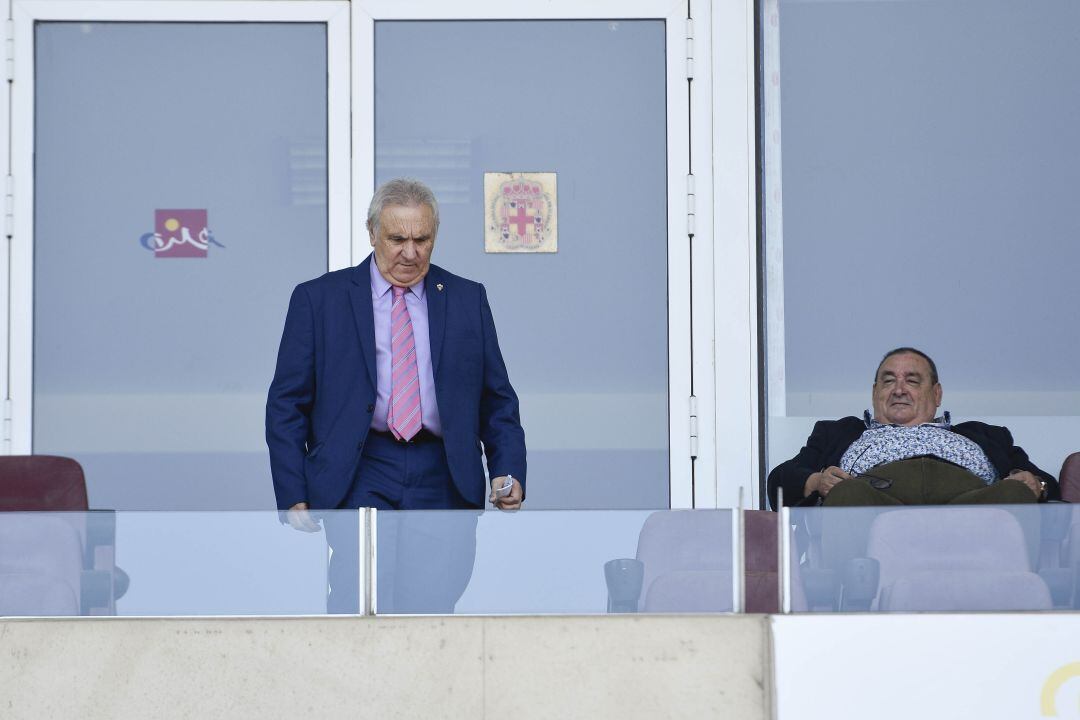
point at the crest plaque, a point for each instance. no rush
(520, 213)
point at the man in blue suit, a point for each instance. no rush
(390, 382)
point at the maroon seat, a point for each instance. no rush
(38, 490)
(41, 482)
(1069, 478)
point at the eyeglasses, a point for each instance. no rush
(877, 482)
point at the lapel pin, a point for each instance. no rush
(438, 287)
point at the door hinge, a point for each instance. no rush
(689, 48)
(9, 206)
(7, 427)
(693, 428)
(9, 49)
(691, 205)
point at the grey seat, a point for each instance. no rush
(954, 559)
(968, 590)
(687, 557)
(40, 565)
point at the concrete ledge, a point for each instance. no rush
(519, 667)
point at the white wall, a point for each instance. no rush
(927, 666)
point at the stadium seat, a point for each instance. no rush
(55, 488)
(684, 559)
(1069, 478)
(1060, 561)
(40, 565)
(954, 559)
(967, 590)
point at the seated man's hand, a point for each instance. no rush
(300, 519)
(822, 482)
(1030, 479)
(510, 501)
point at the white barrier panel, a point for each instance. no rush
(927, 666)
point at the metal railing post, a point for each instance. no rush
(784, 570)
(781, 574)
(369, 559)
(738, 541)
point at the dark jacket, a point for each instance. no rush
(319, 408)
(831, 439)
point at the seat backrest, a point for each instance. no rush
(915, 540)
(1069, 478)
(41, 482)
(687, 541)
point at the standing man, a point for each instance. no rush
(390, 382)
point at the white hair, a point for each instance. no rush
(401, 191)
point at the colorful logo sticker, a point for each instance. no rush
(179, 234)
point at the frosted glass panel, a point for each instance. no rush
(584, 330)
(929, 177)
(565, 562)
(180, 194)
(932, 180)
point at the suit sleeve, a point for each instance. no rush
(1018, 460)
(792, 474)
(500, 424)
(289, 402)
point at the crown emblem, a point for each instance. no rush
(522, 209)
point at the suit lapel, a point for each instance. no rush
(360, 294)
(436, 289)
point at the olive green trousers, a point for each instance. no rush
(925, 481)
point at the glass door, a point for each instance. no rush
(182, 166)
(589, 107)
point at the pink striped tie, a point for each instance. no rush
(404, 415)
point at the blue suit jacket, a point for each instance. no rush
(320, 404)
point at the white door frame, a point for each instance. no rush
(367, 12)
(25, 13)
(5, 256)
(735, 260)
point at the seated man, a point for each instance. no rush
(905, 455)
